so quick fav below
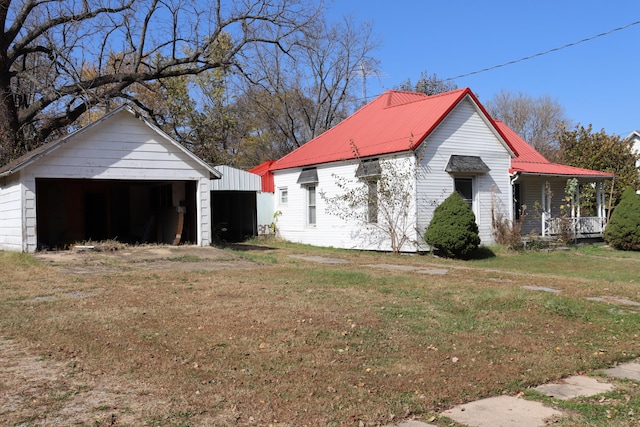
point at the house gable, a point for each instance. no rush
(467, 132)
(120, 148)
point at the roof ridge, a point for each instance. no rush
(419, 96)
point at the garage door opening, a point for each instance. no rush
(80, 210)
(234, 215)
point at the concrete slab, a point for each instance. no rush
(542, 288)
(502, 411)
(615, 300)
(629, 370)
(419, 270)
(393, 267)
(320, 259)
(435, 271)
(571, 387)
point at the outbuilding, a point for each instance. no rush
(119, 177)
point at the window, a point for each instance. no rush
(372, 200)
(369, 171)
(311, 205)
(464, 187)
(284, 196)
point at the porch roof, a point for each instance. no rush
(529, 162)
(554, 169)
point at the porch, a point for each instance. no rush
(561, 207)
(577, 228)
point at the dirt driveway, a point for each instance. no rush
(35, 389)
(113, 258)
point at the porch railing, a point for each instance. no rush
(588, 226)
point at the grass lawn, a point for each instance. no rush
(253, 336)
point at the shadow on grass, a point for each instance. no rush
(482, 252)
(246, 247)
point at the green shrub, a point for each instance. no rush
(453, 231)
(623, 229)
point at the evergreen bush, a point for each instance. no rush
(453, 232)
(623, 229)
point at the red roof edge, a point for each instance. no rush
(263, 169)
(463, 93)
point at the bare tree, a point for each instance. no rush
(58, 59)
(301, 93)
(379, 200)
(536, 120)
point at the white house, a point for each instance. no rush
(446, 143)
(634, 139)
(119, 177)
(437, 145)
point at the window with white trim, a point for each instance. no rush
(464, 187)
(311, 205)
(284, 196)
(372, 200)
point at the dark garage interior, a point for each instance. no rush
(80, 210)
(234, 215)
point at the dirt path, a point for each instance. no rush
(35, 390)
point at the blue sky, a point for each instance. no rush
(597, 82)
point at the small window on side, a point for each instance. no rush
(284, 196)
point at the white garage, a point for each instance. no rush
(118, 178)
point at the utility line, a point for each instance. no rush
(545, 52)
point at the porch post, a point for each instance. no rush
(544, 208)
(578, 201)
(599, 200)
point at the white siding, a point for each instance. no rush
(11, 232)
(464, 132)
(330, 230)
(203, 205)
(120, 148)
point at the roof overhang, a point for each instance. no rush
(368, 169)
(466, 164)
(593, 177)
(308, 176)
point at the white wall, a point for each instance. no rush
(265, 203)
(11, 237)
(464, 132)
(330, 230)
(122, 147)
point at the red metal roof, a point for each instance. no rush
(393, 122)
(399, 121)
(263, 169)
(529, 161)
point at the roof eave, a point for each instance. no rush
(562, 175)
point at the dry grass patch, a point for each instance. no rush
(257, 337)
